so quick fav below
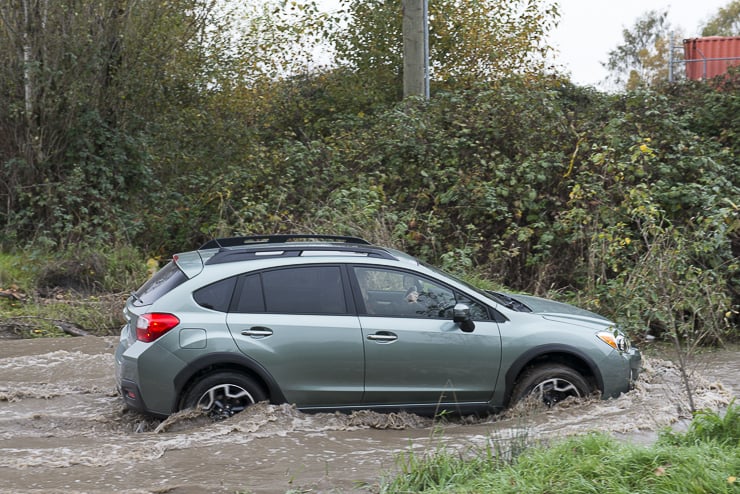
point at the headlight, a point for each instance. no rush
(616, 340)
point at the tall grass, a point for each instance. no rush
(17, 272)
(705, 459)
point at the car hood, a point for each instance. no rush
(553, 310)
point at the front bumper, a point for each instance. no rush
(620, 372)
(635, 362)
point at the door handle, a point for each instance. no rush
(383, 337)
(257, 331)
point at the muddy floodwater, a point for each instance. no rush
(63, 429)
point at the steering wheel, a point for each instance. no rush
(446, 308)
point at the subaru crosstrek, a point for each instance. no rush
(336, 323)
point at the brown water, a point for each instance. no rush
(63, 429)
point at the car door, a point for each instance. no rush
(298, 323)
(414, 352)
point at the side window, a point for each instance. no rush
(477, 311)
(216, 296)
(297, 290)
(391, 293)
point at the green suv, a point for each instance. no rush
(336, 323)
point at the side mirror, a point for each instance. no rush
(461, 315)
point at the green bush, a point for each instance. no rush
(708, 426)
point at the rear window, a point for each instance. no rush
(307, 290)
(162, 282)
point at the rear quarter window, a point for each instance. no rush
(216, 296)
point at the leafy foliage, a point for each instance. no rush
(81, 83)
(726, 22)
(642, 58)
(626, 202)
(707, 426)
(469, 42)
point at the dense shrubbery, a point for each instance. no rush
(628, 203)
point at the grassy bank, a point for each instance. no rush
(705, 459)
(76, 292)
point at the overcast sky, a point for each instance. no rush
(590, 29)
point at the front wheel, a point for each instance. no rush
(223, 394)
(550, 384)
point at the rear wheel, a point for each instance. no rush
(550, 384)
(223, 394)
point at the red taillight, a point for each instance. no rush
(151, 326)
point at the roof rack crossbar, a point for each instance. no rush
(278, 238)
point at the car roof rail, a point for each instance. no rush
(280, 238)
(263, 251)
(234, 249)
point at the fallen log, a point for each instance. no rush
(65, 326)
(71, 329)
(11, 294)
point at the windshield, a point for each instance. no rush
(501, 298)
(480, 292)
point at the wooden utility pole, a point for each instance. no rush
(415, 49)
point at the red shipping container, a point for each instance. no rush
(709, 57)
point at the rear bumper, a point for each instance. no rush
(131, 396)
(145, 374)
(127, 376)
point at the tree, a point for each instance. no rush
(280, 39)
(642, 58)
(352, 58)
(726, 22)
(472, 41)
(77, 81)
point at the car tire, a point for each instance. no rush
(223, 394)
(552, 383)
